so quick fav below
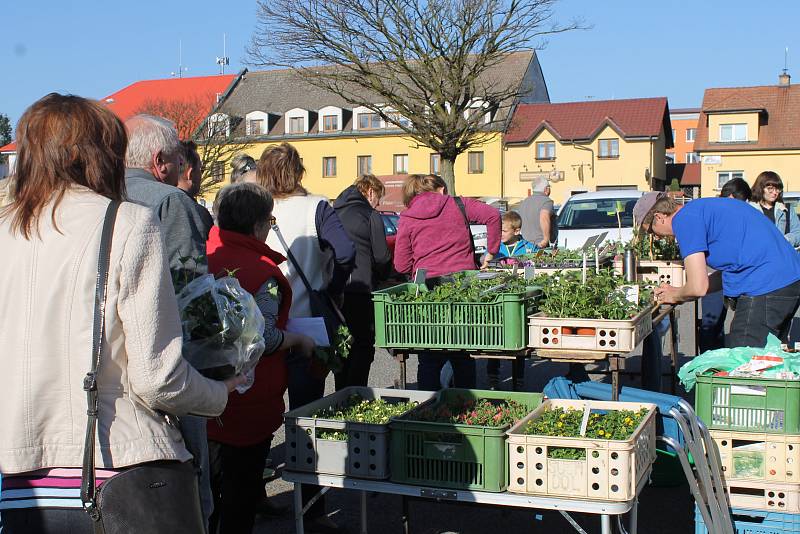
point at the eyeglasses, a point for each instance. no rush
(774, 187)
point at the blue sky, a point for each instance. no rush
(637, 48)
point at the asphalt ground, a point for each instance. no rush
(661, 510)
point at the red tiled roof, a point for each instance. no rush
(201, 91)
(572, 121)
(686, 173)
(779, 109)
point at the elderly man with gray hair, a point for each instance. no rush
(538, 216)
(154, 161)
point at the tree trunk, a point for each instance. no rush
(448, 174)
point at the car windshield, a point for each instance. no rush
(597, 213)
(390, 223)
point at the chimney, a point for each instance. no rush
(784, 79)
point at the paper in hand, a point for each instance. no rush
(313, 327)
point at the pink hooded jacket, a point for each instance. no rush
(432, 234)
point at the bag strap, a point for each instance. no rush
(300, 272)
(787, 224)
(463, 210)
(88, 489)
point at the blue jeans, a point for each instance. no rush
(756, 317)
(193, 429)
(712, 323)
(431, 363)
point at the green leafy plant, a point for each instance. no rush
(333, 357)
(467, 287)
(360, 410)
(480, 412)
(601, 297)
(609, 425)
(650, 247)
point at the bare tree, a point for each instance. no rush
(424, 66)
(214, 143)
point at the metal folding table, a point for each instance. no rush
(564, 505)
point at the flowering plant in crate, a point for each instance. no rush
(475, 412)
(558, 422)
(360, 410)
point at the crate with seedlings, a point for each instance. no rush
(585, 449)
(347, 433)
(457, 440)
(599, 313)
(548, 261)
(659, 260)
(759, 457)
(468, 310)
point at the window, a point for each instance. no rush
(255, 127)
(401, 163)
(609, 148)
(724, 176)
(436, 164)
(217, 171)
(692, 157)
(398, 120)
(732, 133)
(475, 163)
(328, 167)
(546, 150)
(296, 125)
(369, 121)
(330, 123)
(670, 157)
(691, 133)
(364, 165)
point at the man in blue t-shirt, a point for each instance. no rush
(758, 267)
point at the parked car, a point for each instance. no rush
(390, 220)
(792, 200)
(587, 215)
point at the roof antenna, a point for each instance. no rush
(786, 60)
(181, 68)
(224, 60)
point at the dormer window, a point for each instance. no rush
(330, 123)
(369, 121)
(732, 133)
(296, 125)
(255, 127)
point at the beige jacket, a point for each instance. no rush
(48, 287)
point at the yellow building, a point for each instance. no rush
(586, 146)
(743, 131)
(339, 141)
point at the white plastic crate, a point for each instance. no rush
(658, 272)
(600, 335)
(764, 496)
(610, 471)
(759, 457)
(365, 452)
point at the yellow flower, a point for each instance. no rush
(600, 432)
(560, 424)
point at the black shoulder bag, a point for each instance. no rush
(156, 497)
(463, 209)
(322, 304)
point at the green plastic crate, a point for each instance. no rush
(450, 455)
(497, 325)
(748, 404)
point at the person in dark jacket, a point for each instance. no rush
(355, 207)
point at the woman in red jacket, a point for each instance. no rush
(433, 234)
(239, 440)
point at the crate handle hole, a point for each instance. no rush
(595, 486)
(555, 341)
(614, 455)
(555, 331)
(602, 333)
(771, 494)
(724, 443)
(356, 435)
(614, 488)
(614, 472)
(521, 481)
(545, 330)
(309, 446)
(308, 460)
(520, 465)
(372, 437)
(781, 504)
(539, 466)
(357, 450)
(520, 449)
(595, 454)
(538, 450)
(372, 467)
(781, 495)
(357, 465)
(791, 447)
(612, 333)
(790, 460)
(372, 452)
(539, 482)
(292, 444)
(294, 459)
(545, 341)
(596, 470)
(612, 343)
(602, 343)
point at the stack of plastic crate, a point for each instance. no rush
(755, 423)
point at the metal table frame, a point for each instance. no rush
(616, 361)
(564, 505)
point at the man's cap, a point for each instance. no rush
(644, 205)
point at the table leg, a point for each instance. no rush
(605, 524)
(363, 512)
(613, 363)
(518, 373)
(298, 508)
(401, 360)
(634, 519)
(673, 351)
(404, 518)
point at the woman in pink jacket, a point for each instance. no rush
(433, 234)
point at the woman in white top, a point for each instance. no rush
(314, 234)
(70, 166)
